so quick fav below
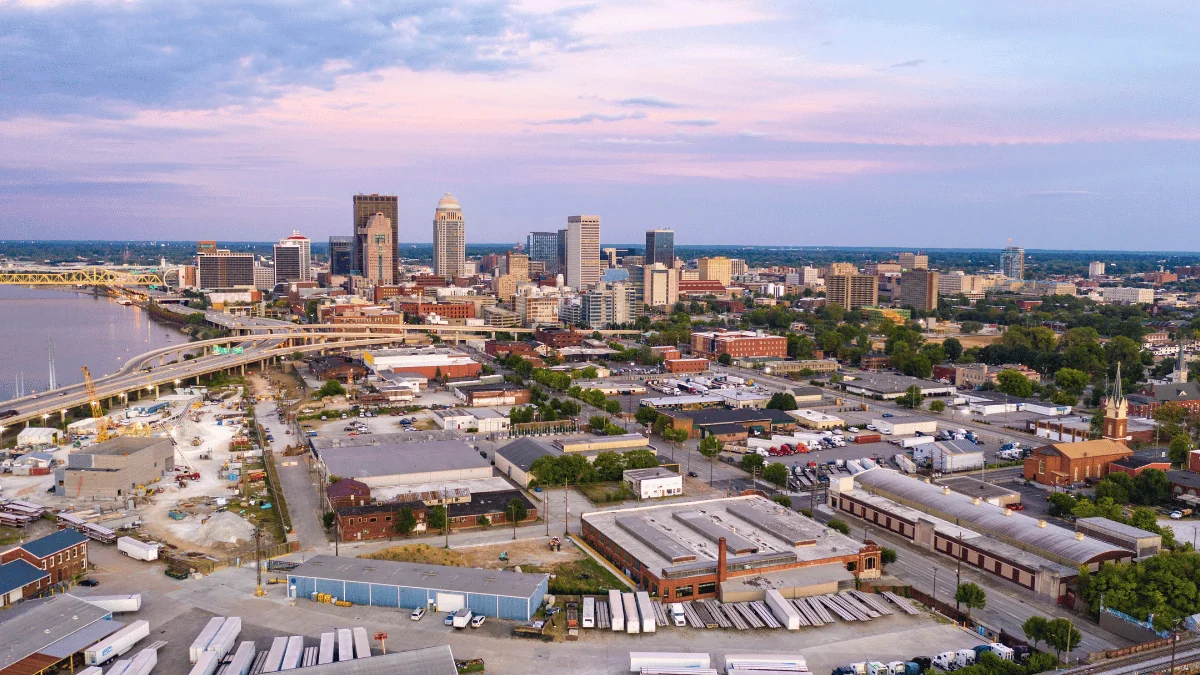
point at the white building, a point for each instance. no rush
(653, 483)
(449, 238)
(1095, 269)
(905, 425)
(293, 259)
(488, 421)
(583, 251)
(1128, 295)
(814, 419)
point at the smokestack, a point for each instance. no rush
(720, 563)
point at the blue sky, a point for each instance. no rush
(1057, 124)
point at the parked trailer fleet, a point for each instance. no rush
(345, 642)
(646, 610)
(243, 659)
(325, 653)
(633, 624)
(206, 665)
(143, 663)
(362, 645)
(616, 610)
(223, 642)
(783, 610)
(769, 662)
(200, 644)
(117, 603)
(293, 653)
(116, 644)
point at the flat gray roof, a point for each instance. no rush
(387, 459)
(428, 661)
(1113, 527)
(975, 487)
(34, 625)
(417, 575)
(122, 445)
(524, 452)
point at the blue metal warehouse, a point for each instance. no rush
(497, 593)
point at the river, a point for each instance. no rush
(86, 331)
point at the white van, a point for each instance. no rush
(945, 661)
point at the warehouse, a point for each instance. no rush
(115, 468)
(383, 583)
(812, 419)
(956, 455)
(500, 393)
(988, 492)
(905, 425)
(653, 483)
(516, 459)
(39, 635)
(430, 362)
(699, 422)
(885, 386)
(674, 551)
(598, 443)
(1143, 543)
(385, 463)
(1031, 553)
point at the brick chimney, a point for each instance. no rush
(720, 562)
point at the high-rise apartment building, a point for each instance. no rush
(223, 269)
(517, 264)
(206, 246)
(809, 275)
(737, 266)
(840, 269)
(583, 251)
(378, 250)
(913, 261)
(852, 291)
(660, 285)
(660, 247)
(341, 255)
(264, 277)
(543, 247)
(608, 304)
(1012, 262)
(365, 207)
(1095, 269)
(919, 290)
(449, 238)
(715, 269)
(293, 259)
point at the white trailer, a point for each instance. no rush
(345, 639)
(362, 645)
(293, 653)
(275, 655)
(119, 668)
(588, 617)
(206, 665)
(116, 644)
(243, 659)
(143, 663)
(783, 610)
(223, 642)
(616, 611)
(913, 441)
(639, 661)
(906, 465)
(200, 644)
(137, 549)
(91, 670)
(116, 603)
(462, 618)
(786, 662)
(646, 610)
(949, 458)
(325, 655)
(633, 625)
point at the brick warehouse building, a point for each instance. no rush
(63, 555)
(738, 344)
(668, 550)
(377, 521)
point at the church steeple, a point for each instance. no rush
(1181, 374)
(1116, 413)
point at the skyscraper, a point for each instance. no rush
(365, 207)
(1012, 262)
(341, 255)
(583, 251)
(913, 261)
(543, 247)
(295, 254)
(919, 290)
(852, 291)
(715, 269)
(660, 247)
(378, 250)
(562, 253)
(223, 269)
(449, 238)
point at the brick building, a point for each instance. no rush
(1186, 394)
(875, 362)
(502, 348)
(685, 365)
(377, 521)
(1133, 465)
(446, 310)
(666, 352)
(490, 505)
(341, 368)
(1070, 463)
(738, 344)
(347, 492)
(502, 393)
(20, 580)
(62, 555)
(557, 337)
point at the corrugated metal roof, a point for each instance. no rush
(429, 661)
(402, 458)
(524, 452)
(1113, 527)
(82, 639)
(416, 575)
(1053, 541)
(33, 625)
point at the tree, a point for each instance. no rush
(406, 521)
(782, 500)
(328, 519)
(835, 524)
(609, 465)
(725, 359)
(887, 555)
(776, 473)
(1151, 488)
(710, 447)
(331, 388)
(1062, 635)
(1117, 486)
(612, 407)
(911, 398)
(520, 415)
(588, 373)
(971, 327)
(1035, 629)
(782, 401)
(953, 348)
(640, 459)
(1062, 504)
(751, 462)
(1178, 451)
(1013, 383)
(971, 596)
(1072, 381)
(436, 519)
(646, 416)
(937, 406)
(516, 512)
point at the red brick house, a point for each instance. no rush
(1133, 465)
(62, 555)
(1186, 394)
(376, 521)
(347, 492)
(20, 580)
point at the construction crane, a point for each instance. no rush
(97, 411)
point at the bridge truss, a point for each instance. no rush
(85, 276)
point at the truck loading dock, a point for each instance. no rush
(494, 593)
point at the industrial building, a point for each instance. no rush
(701, 422)
(1143, 543)
(598, 443)
(1028, 552)
(905, 425)
(62, 555)
(382, 462)
(886, 386)
(516, 459)
(383, 583)
(40, 635)
(812, 419)
(430, 362)
(653, 483)
(115, 468)
(975, 488)
(705, 549)
(501, 393)
(956, 455)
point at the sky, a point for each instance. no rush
(1051, 123)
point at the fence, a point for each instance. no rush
(542, 428)
(208, 565)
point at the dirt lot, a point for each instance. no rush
(486, 556)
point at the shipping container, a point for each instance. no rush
(137, 549)
(325, 655)
(868, 438)
(765, 661)
(345, 641)
(784, 611)
(116, 644)
(90, 670)
(638, 661)
(223, 642)
(206, 664)
(293, 653)
(200, 644)
(116, 603)
(362, 645)
(616, 611)
(143, 663)
(633, 623)
(646, 610)
(242, 660)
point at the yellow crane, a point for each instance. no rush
(97, 411)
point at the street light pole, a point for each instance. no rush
(935, 583)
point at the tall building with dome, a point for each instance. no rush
(449, 238)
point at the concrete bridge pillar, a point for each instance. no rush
(161, 359)
(243, 370)
(156, 391)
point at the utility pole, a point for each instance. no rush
(258, 560)
(935, 583)
(545, 512)
(566, 509)
(1174, 640)
(958, 572)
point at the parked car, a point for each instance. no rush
(89, 583)
(417, 614)
(449, 620)
(1176, 515)
(887, 415)
(693, 474)
(477, 621)
(871, 427)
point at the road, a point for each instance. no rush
(299, 484)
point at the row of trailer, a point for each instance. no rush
(700, 663)
(17, 513)
(210, 651)
(634, 613)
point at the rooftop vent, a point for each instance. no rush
(1008, 512)
(1041, 523)
(946, 490)
(974, 500)
(1079, 536)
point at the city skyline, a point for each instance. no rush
(831, 126)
